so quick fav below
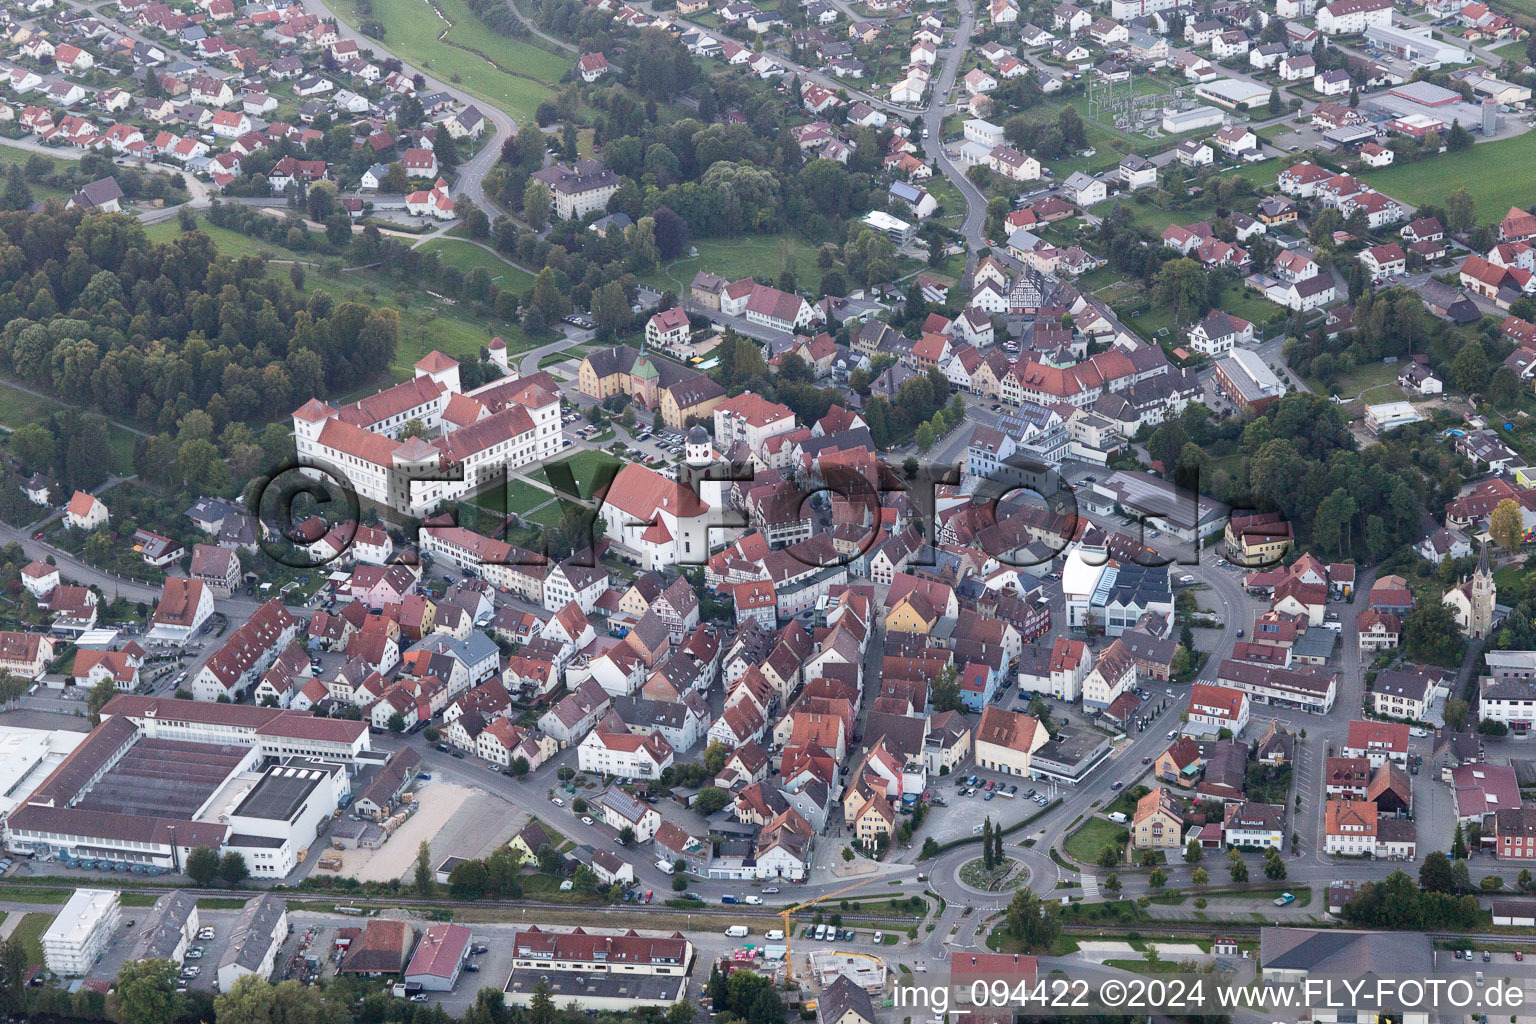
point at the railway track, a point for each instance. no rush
(361, 902)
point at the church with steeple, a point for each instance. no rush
(1472, 600)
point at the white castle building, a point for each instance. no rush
(504, 424)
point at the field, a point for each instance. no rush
(426, 323)
(468, 256)
(1497, 174)
(18, 408)
(1093, 836)
(29, 932)
(735, 258)
(412, 31)
(1154, 318)
(230, 243)
(1377, 381)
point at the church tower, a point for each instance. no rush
(1482, 592)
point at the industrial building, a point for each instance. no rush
(81, 931)
(1416, 45)
(439, 957)
(1417, 107)
(1233, 94)
(27, 757)
(1177, 122)
(1248, 381)
(159, 777)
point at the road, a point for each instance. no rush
(470, 180)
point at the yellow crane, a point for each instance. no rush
(789, 961)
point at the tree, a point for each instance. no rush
(1200, 876)
(1435, 873)
(13, 971)
(536, 204)
(945, 695)
(35, 445)
(1109, 855)
(252, 1000)
(17, 195)
(1182, 286)
(715, 756)
(1470, 367)
(232, 868)
(1276, 104)
(711, 799)
(1238, 869)
(1274, 867)
(468, 880)
(202, 866)
(1112, 883)
(1193, 852)
(1455, 714)
(1458, 845)
(97, 699)
(519, 766)
(425, 883)
(1458, 138)
(1460, 209)
(1505, 525)
(146, 992)
(1430, 633)
(1034, 922)
(610, 310)
(1158, 878)
(541, 1008)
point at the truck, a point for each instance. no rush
(737, 931)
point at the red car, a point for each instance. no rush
(990, 784)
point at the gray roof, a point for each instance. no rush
(1345, 954)
(253, 933)
(164, 930)
(840, 997)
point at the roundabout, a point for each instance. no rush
(1006, 876)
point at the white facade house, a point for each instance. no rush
(81, 931)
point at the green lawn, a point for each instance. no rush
(426, 323)
(18, 408)
(744, 256)
(1377, 380)
(231, 243)
(584, 466)
(1252, 307)
(468, 256)
(1497, 174)
(29, 932)
(412, 30)
(1093, 836)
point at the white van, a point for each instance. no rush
(1118, 818)
(737, 931)
(820, 934)
(774, 935)
(664, 866)
(754, 901)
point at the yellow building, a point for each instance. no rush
(1158, 824)
(1258, 540)
(682, 394)
(868, 814)
(912, 614)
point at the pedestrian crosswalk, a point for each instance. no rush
(1090, 887)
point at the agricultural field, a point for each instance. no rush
(1497, 174)
(413, 31)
